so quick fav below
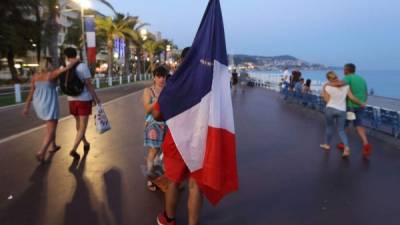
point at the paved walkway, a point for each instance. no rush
(12, 122)
(285, 179)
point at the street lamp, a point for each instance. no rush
(143, 33)
(85, 4)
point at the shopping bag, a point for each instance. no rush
(101, 121)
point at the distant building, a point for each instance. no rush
(69, 11)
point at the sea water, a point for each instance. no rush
(382, 83)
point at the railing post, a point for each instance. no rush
(398, 125)
(377, 116)
(17, 88)
(97, 82)
(110, 81)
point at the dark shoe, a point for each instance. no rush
(86, 148)
(56, 149)
(74, 155)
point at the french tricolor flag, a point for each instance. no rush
(90, 28)
(197, 105)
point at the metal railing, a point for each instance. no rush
(377, 118)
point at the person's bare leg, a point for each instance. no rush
(151, 155)
(83, 122)
(50, 125)
(171, 199)
(53, 141)
(195, 202)
(362, 134)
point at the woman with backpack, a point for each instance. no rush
(43, 95)
(154, 131)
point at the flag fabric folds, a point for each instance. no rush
(90, 28)
(197, 105)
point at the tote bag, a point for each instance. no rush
(101, 121)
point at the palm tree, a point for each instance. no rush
(153, 48)
(17, 32)
(136, 25)
(52, 27)
(164, 43)
(120, 27)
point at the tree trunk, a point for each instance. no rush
(110, 58)
(39, 33)
(138, 66)
(127, 58)
(11, 65)
(52, 32)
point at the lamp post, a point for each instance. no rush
(84, 4)
(168, 50)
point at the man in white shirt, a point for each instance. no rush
(286, 76)
(81, 106)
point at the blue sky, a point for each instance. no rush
(332, 32)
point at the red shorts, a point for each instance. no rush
(80, 108)
(175, 168)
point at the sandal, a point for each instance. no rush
(325, 146)
(74, 155)
(151, 186)
(346, 153)
(54, 150)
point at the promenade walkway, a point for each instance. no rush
(12, 123)
(285, 178)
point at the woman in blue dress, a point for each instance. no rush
(154, 131)
(43, 95)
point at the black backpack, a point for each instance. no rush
(70, 83)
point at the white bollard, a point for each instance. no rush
(17, 88)
(129, 79)
(97, 83)
(135, 78)
(110, 81)
(120, 80)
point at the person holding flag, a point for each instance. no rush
(196, 104)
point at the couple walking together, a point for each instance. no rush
(44, 97)
(346, 102)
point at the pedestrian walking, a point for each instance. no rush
(234, 80)
(154, 130)
(196, 103)
(43, 95)
(359, 88)
(80, 106)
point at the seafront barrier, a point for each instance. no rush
(382, 114)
